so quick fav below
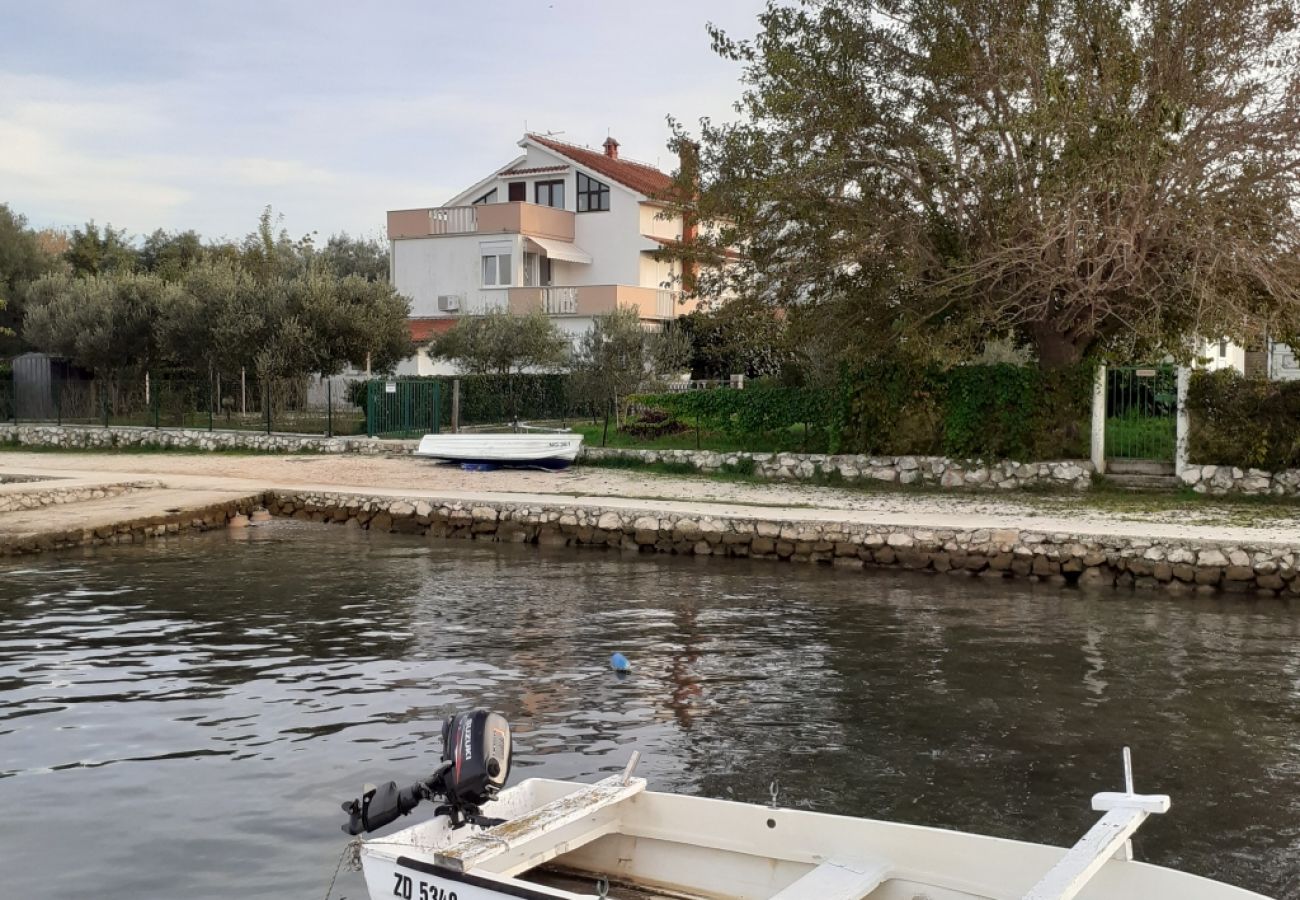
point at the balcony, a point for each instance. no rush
(482, 218)
(598, 299)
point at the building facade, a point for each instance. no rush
(567, 230)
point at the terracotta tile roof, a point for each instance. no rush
(424, 329)
(638, 176)
(535, 170)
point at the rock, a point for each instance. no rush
(1211, 558)
(609, 521)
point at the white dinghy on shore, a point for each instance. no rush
(559, 840)
(550, 449)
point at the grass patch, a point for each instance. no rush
(1140, 437)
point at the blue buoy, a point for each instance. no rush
(618, 662)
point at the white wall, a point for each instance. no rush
(1218, 357)
(670, 228)
(613, 238)
(424, 268)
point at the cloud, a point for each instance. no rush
(186, 118)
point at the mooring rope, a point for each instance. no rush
(352, 855)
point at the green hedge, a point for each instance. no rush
(1244, 422)
(992, 412)
(785, 417)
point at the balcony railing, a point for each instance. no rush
(598, 299)
(483, 218)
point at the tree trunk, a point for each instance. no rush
(1055, 349)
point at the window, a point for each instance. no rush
(497, 270)
(489, 197)
(549, 193)
(530, 270)
(517, 191)
(592, 195)
(1223, 347)
(545, 275)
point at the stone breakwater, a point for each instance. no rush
(130, 531)
(1057, 558)
(82, 437)
(925, 470)
(1232, 480)
(49, 493)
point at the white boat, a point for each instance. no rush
(563, 840)
(536, 448)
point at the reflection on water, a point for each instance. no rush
(183, 718)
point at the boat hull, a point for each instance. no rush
(504, 449)
(675, 846)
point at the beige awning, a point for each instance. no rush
(562, 250)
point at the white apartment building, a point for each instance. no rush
(561, 228)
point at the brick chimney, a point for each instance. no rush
(611, 148)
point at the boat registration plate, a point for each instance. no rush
(418, 886)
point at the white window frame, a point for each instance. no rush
(501, 269)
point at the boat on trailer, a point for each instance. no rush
(530, 447)
(559, 840)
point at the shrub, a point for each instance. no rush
(996, 411)
(1244, 422)
(753, 413)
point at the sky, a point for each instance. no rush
(181, 114)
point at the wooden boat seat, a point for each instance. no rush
(545, 833)
(839, 879)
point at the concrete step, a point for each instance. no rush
(1131, 482)
(1139, 467)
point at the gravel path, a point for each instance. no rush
(1025, 510)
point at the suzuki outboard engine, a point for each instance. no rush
(475, 766)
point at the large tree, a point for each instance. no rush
(22, 260)
(1084, 175)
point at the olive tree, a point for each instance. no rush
(619, 356)
(503, 343)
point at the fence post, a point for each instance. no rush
(266, 402)
(1099, 420)
(329, 407)
(103, 400)
(370, 408)
(58, 401)
(455, 405)
(214, 394)
(604, 435)
(437, 407)
(157, 405)
(1182, 421)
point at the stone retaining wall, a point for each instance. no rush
(1232, 480)
(81, 437)
(131, 531)
(50, 494)
(1053, 557)
(931, 470)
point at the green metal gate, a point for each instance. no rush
(1141, 404)
(402, 409)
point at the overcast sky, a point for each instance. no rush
(188, 114)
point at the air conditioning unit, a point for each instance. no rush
(449, 303)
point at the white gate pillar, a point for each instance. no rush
(1099, 420)
(1182, 421)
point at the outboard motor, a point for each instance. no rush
(475, 765)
